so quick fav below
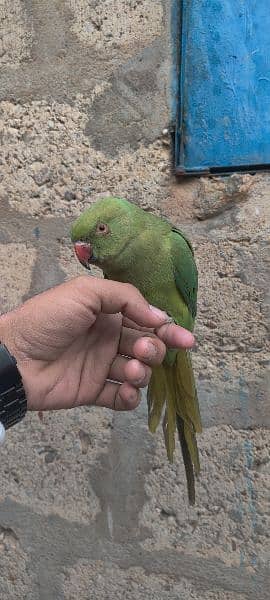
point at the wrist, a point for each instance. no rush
(7, 333)
(8, 339)
(13, 404)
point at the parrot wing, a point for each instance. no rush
(185, 273)
(188, 420)
(186, 279)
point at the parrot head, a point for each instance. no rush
(102, 231)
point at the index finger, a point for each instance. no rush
(112, 297)
(132, 325)
(175, 336)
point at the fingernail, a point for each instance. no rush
(133, 400)
(189, 338)
(151, 350)
(141, 376)
(161, 314)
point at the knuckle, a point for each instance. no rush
(165, 334)
(82, 281)
(132, 289)
(148, 375)
(131, 401)
(161, 352)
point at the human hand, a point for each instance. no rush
(72, 339)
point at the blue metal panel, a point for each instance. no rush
(224, 112)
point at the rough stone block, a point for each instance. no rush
(47, 462)
(127, 25)
(96, 581)
(15, 33)
(17, 261)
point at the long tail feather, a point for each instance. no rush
(174, 383)
(156, 396)
(187, 460)
(186, 392)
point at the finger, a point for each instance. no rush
(119, 397)
(172, 335)
(147, 348)
(132, 325)
(175, 336)
(102, 295)
(130, 370)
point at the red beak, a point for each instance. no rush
(83, 252)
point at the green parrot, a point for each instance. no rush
(137, 247)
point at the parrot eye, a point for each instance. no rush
(102, 229)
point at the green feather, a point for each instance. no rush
(187, 459)
(156, 395)
(187, 400)
(185, 273)
(169, 421)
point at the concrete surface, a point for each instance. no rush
(89, 507)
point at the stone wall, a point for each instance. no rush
(89, 507)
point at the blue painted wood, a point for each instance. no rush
(224, 99)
